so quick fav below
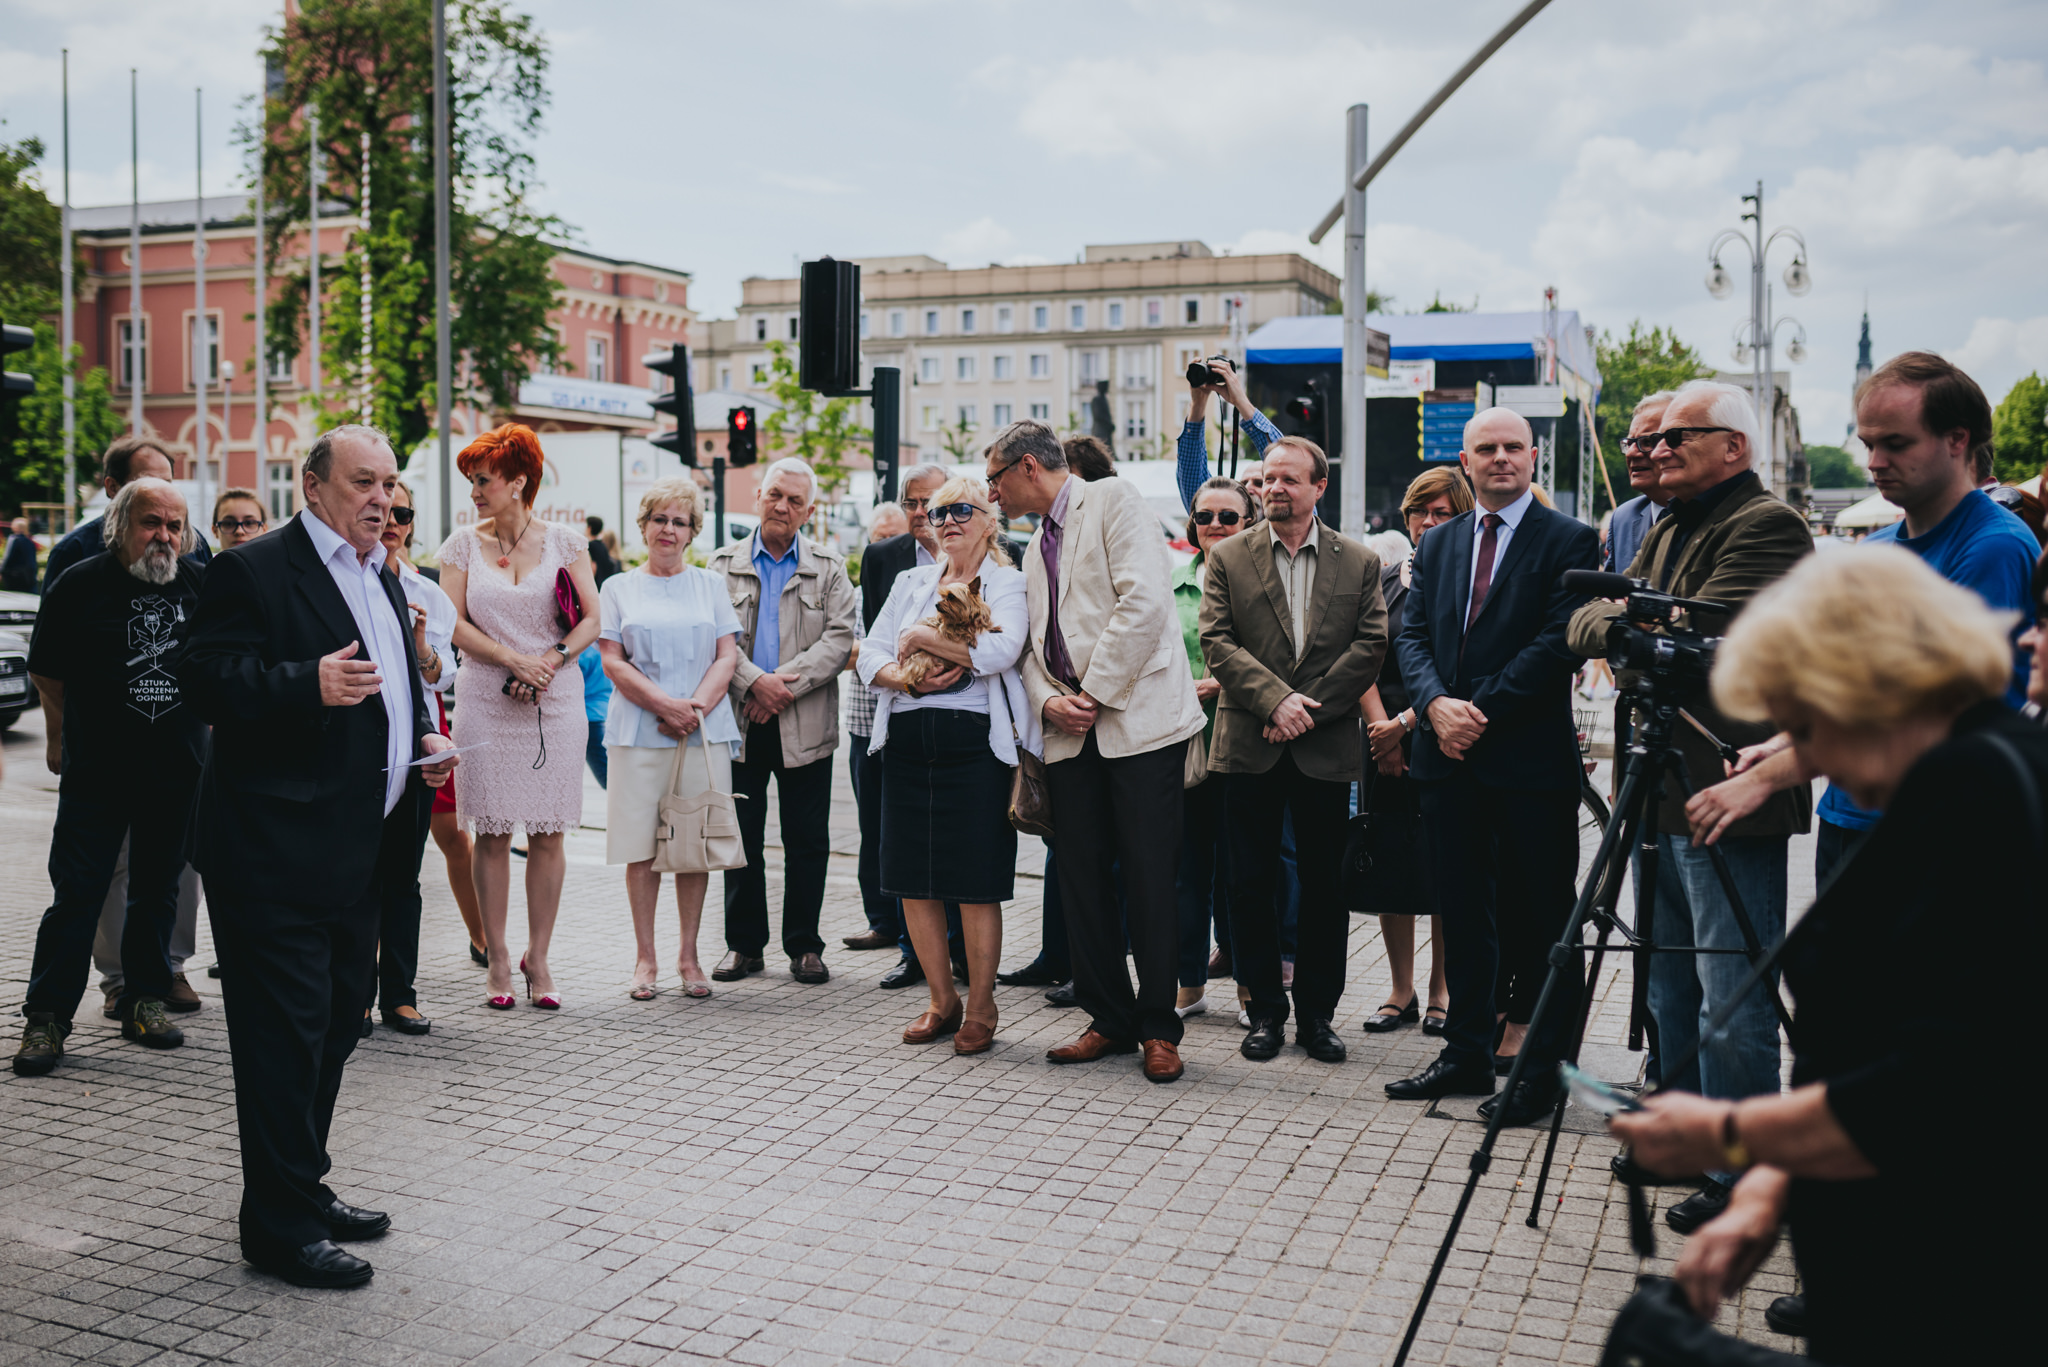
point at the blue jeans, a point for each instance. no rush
(1831, 843)
(593, 753)
(1687, 989)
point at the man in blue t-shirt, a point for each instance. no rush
(1924, 422)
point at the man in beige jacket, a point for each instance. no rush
(799, 620)
(1107, 670)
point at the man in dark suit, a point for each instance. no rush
(302, 658)
(1295, 628)
(1488, 670)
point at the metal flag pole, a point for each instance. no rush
(64, 249)
(443, 355)
(313, 251)
(260, 286)
(138, 354)
(1351, 491)
(202, 335)
(365, 382)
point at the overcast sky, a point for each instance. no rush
(1599, 151)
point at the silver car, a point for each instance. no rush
(17, 694)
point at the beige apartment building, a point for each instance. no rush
(982, 347)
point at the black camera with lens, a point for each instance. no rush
(1202, 374)
(1644, 639)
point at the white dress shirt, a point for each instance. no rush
(994, 686)
(1510, 518)
(422, 592)
(382, 639)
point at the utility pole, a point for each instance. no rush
(313, 249)
(202, 334)
(64, 247)
(365, 391)
(1351, 491)
(261, 286)
(138, 353)
(443, 355)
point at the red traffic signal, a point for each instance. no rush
(740, 436)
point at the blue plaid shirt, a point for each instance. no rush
(1193, 464)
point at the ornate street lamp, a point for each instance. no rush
(1756, 338)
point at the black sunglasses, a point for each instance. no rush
(402, 516)
(952, 512)
(1673, 437)
(1208, 515)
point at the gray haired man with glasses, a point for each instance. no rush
(1631, 521)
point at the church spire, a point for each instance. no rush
(1863, 368)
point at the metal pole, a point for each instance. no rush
(202, 335)
(365, 382)
(717, 502)
(1351, 492)
(64, 247)
(261, 288)
(1756, 316)
(443, 354)
(313, 249)
(886, 390)
(138, 352)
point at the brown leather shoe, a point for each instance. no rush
(1162, 1061)
(181, 996)
(1089, 1047)
(931, 1025)
(809, 969)
(973, 1038)
(874, 939)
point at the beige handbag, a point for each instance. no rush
(700, 833)
(1197, 766)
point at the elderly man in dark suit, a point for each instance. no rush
(1294, 627)
(1489, 672)
(310, 811)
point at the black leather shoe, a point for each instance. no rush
(407, 1025)
(1063, 995)
(1533, 1099)
(1265, 1039)
(1443, 1078)
(368, 1026)
(1033, 974)
(1634, 1174)
(1391, 1017)
(1319, 1041)
(346, 1222)
(477, 956)
(810, 969)
(1503, 1064)
(1434, 1020)
(908, 973)
(320, 1265)
(960, 971)
(735, 966)
(1698, 1208)
(1787, 1315)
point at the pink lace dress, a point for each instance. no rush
(501, 789)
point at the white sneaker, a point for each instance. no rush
(1244, 1020)
(1197, 1007)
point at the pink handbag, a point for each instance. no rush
(568, 605)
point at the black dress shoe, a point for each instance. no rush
(960, 971)
(1033, 974)
(367, 1025)
(1698, 1208)
(1443, 1078)
(346, 1222)
(735, 966)
(478, 957)
(1533, 1099)
(407, 1025)
(320, 1265)
(908, 973)
(1434, 1024)
(1787, 1315)
(1063, 995)
(1265, 1039)
(810, 969)
(1385, 1020)
(1634, 1174)
(1319, 1041)
(1503, 1064)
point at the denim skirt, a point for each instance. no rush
(946, 832)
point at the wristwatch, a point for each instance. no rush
(561, 648)
(1407, 727)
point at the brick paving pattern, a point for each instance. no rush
(771, 1177)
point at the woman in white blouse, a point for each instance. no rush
(669, 642)
(947, 747)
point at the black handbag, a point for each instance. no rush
(1354, 875)
(1382, 868)
(1657, 1328)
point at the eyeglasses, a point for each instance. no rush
(243, 524)
(1003, 469)
(911, 505)
(1645, 443)
(402, 516)
(1208, 515)
(953, 512)
(1673, 437)
(681, 524)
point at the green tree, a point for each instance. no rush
(2019, 431)
(1641, 363)
(1438, 304)
(1830, 467)
(819, 431)
(957, 442)
(367, 65)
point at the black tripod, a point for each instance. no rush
(1651, 755)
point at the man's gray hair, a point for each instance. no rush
(1028, 438)
(795, 466)
(120, 518)
(918, 474)
(320, 459)
(1662, 398)
(1731, 409)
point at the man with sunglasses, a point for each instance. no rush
(1632, 521)
(1724, 538)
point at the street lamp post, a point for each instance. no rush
(1757, 338)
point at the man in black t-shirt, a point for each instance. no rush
(108, 645)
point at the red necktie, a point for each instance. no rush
(1482, 579)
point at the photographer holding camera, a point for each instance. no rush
(1723, 538)
(1193, 452)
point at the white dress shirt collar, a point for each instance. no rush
(1512, 515)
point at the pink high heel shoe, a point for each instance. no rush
(503, 1001)
(546, 1001)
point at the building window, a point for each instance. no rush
(1041, 317)
(1005, 319)
(863, 325)
(595, 347)
(760, 329)
(970, 415)
(1039, 364)
(792, 327)
(999, 414)
(130, 353)
(280, 368)
(1077, 317)
(895, 322)
(963, 368)
(928, 370)
(205, 338)
(760, 373)
(928, 417)
(967, 320)
(278, 484)
(1091, 367)
(1005, 367)
(725, 377)
(1137, 366)
(1041, 412)
(1232, 306)
(1191, 311)
(931, 322)
(1134, 420)
(1155, 313)
(1116, 314)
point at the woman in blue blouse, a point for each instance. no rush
(669, 643)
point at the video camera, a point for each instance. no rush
(1202, 374)
(1644, 638)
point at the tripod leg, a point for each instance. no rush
(1646, 926)
(1578, 1043)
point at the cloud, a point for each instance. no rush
(2002, 350)
(976, 244)
(809, 185)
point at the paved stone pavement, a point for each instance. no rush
(770, 1176)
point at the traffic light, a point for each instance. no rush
(739, 437)
(828, 327)
(13, 384)
(679, 403)
(1306, 409)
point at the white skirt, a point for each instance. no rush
(635, 781)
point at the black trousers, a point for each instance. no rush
(882, 911)
(398, 922)
(91, 823)
(1502, 862)
(1128, 811)
(1253, 806)
(803, 798)
(294, 978)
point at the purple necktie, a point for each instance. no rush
(1058, 663)
(1482, 579)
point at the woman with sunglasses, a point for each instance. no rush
(1223, 507)
(948, 742)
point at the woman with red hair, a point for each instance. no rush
(512, 578)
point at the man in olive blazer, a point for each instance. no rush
(1295, 629)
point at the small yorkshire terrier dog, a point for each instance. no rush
(962, 616)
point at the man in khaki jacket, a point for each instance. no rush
(1295, 628)
(1108, 671)
(799, 621)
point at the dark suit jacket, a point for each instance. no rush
(291, 807)
(1749, 540)
(1516, 667)
(879, 566)
(1247, 643)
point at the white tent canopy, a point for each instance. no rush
(1875, 511)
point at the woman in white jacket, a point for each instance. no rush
(947, 746)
